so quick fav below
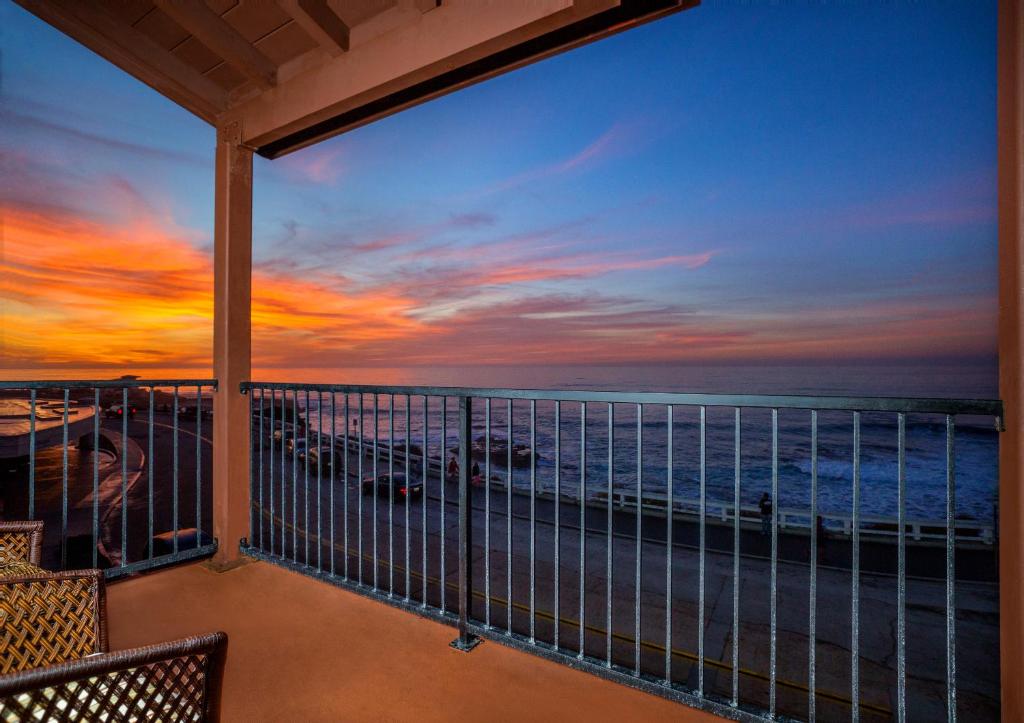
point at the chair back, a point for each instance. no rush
(22, 541)
(50, 618)
(176, 681)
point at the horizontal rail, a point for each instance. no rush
(920, 405)
(113, 573)
(108, 383)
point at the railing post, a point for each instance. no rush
(1010, 124)
(232, 278)
(465, 641)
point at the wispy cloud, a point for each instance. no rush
(322, 164)
(620, 138)
(27, 122)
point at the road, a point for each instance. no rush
(174, 488)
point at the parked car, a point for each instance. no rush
(116, 411)
(386, 483)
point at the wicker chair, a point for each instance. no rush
(51, 617)
(176, 681)
(22, 541)
(53, 642)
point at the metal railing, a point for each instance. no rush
(381, 489)
(119, 470)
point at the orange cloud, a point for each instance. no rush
(137, 293)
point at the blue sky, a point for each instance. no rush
(736, 182)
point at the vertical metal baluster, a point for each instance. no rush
(334, 474)
(359, 496)
(199, 464)
(124, 474)
(773, 650)
(812, 604)
(270, 444)
(583, 524)
(533, 521)
(669, 515)
(64, 488)
(319, 477)
(284, 506)
(901, 571)
(376, 482)
(95, 478)
(305, 484)
(610, 534)
(250, 395)
(391, 495)
(855, 582)
(487, 512)
(344, 487)
(174, 476)
(408, 490)
(736, 562)
(558, 516)
(508, 516)
(444, 482)
(32, 453)
(425, 467)
(295, 475)
(639, 529)
(950, 570)
(702, 533)
(259, 513)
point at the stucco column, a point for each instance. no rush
(232, 282)
(1011, 356)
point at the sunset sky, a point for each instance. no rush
(734, 183)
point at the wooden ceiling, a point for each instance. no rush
(292, 72)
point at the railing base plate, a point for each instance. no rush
(466, 645)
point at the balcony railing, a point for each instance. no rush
(119, 470)
(540, 519)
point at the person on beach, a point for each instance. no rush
(453, 468)
(766, 513)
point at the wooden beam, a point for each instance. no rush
(437, 52)
(214, 32)
(1010, 114)
(232, 294)
(94, 27)
(319, 22)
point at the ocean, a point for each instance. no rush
(975, 450)
(976, 447)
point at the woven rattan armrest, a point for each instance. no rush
(179, 680)
(22, 540)
(50, 618)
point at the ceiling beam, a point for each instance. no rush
(214, 32)
(450, 47)
(319, 22)
(137, 54)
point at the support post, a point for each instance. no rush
(1010, 78)
(232, 281)
(465, 642)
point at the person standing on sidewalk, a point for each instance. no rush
(766, 513)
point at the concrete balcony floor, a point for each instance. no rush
(300, 649)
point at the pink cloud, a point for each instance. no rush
(319, 164)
